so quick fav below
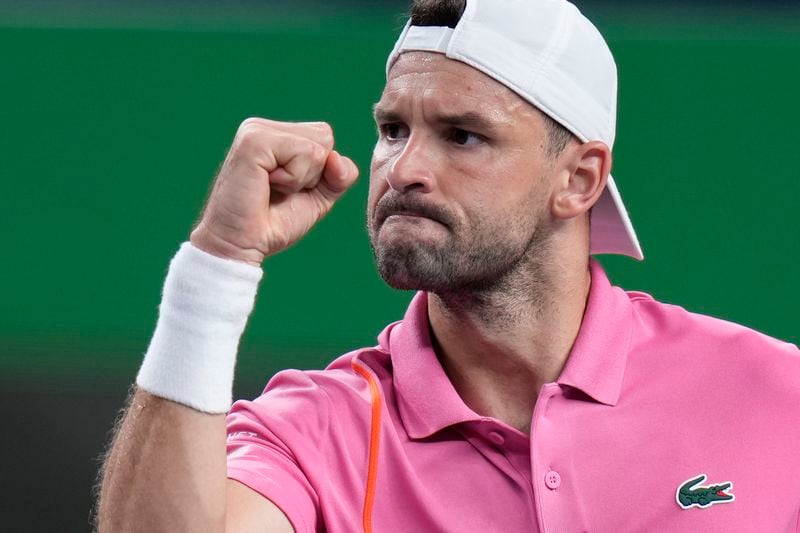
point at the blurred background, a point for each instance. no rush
(115, 116)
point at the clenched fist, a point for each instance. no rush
(276, 182)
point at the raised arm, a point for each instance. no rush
(166, 468)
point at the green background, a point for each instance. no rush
(113, 125)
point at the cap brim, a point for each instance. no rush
(612, 231)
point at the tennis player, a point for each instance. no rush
(522, 391)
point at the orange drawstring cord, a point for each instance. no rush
(374, 443)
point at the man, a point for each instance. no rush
(522, 391)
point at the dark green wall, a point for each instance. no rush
(110, 138)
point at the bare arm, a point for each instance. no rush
(166, 472)
(166, 468)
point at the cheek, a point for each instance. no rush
(381, 159)
(509, 196)
(377, 180)
(377, 188)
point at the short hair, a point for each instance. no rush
(448, 13)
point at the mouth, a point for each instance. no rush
(411, 224)
(409, 211)
(405, 215)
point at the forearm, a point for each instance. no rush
(165, 470)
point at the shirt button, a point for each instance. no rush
(552, 479)
(496, 438)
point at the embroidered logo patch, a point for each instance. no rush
(692, 494)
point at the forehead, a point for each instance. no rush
(451, 85)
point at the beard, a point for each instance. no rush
(479, 257)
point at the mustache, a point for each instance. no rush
(397, 204)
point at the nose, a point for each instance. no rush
(412, 169)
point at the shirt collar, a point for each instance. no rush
(596, 363)
(427, 400)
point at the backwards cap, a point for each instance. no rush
(552, 56)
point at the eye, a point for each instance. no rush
(465, 138)
(393, 131)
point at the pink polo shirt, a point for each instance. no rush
(652, 399)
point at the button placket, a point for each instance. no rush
(552, 444)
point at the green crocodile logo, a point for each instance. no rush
(690, 495)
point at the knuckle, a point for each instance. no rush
(252, 136)
(325, 131)
(251, 122)
(255, 125)
(247, 139)
(318, 155)
(324, 127)
(306, 147)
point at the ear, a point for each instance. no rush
(584, 170)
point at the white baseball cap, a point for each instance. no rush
(552, 56)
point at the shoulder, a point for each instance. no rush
(671, 322)
(705, 343)
(306, 402)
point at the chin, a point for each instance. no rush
(411, 266)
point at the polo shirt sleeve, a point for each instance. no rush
(273, 445)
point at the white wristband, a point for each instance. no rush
(203, 312)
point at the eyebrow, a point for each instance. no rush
(468, 119)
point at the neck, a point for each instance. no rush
(500, 345)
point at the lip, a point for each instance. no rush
(408, 217)
(410, 214)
